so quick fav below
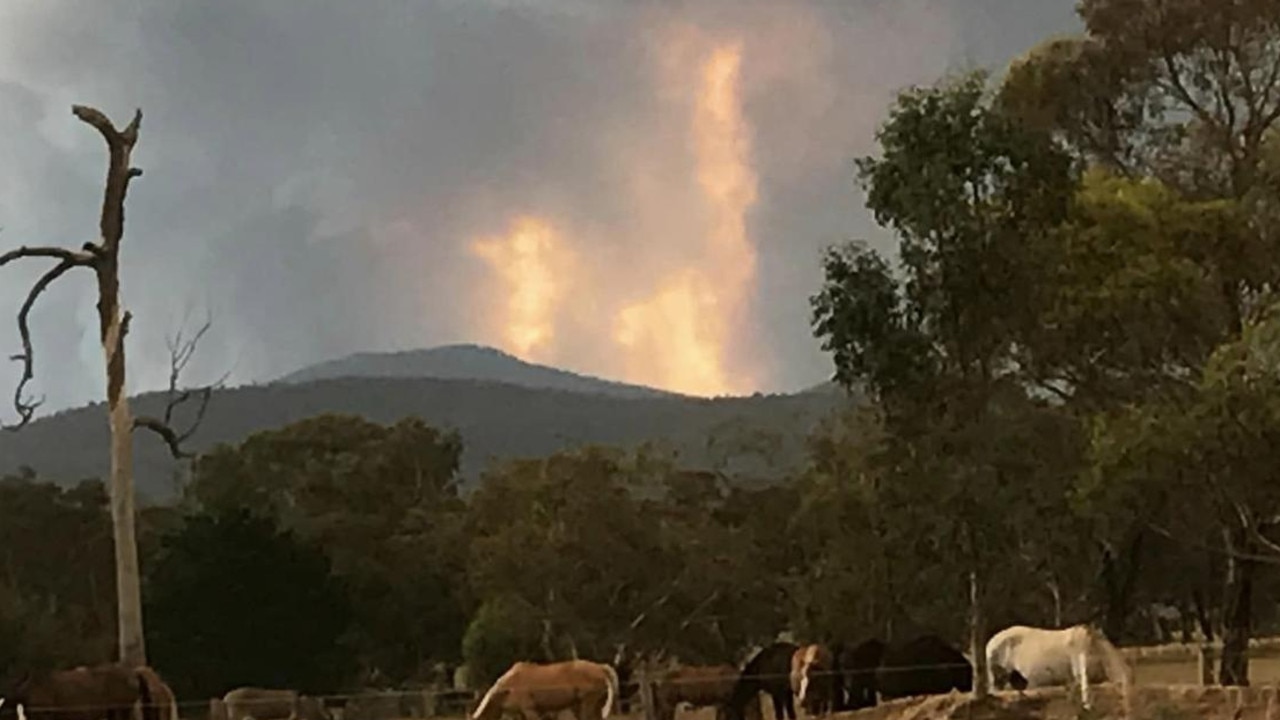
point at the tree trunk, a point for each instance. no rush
(1056, 592)
(1237, 616)
(977, 638)
(1203, 617)
(114, 327)
(1117, 580)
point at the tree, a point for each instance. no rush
(1217, 448)
(962, 185)
(103, 258)
(1186, 92)
(565, 537)
(727, 557)
(846, 585)
(1129, 306)
(1128, 299)
(504, 630)
(56, 581)
(1183, 90)
(234, 600)
(382, 502)
(1162, 264)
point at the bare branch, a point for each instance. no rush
(1225, 552)
(125, 139)
(53, 253)
(180, 353)
(684, 625)
(166, 433)
(26, 407)
(120, 147)
(67, 259)
(1265, 541)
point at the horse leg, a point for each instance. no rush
(789, 704)
(1082, 674)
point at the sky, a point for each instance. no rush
(633, 189)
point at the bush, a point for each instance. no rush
(504, 630)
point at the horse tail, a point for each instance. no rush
(150, 711)
(611, 679)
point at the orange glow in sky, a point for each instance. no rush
(677, 339)
(666, 313)
(528, 260)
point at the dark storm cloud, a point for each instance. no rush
(315, 169)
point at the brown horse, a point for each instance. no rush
(699, 686)
(539, 691)
(108, 691)
(768, 671)
(161, 694)
(814, 680)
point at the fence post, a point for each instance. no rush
(1204, 663)
(648, 711)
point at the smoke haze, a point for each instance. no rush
(638, 190)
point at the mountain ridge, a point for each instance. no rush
(466, 361)
(499, 420)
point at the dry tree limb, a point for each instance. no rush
(181, 350)
(67, 260)
(103, 258)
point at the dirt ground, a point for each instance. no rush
(1150, 702)
(1147, 702)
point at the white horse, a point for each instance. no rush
(1045, 658)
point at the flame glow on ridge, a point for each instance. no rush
(528, 260)
(678, 335)
(678, 338)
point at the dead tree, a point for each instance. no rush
(103, 258)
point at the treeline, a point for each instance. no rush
(1072, 369)
(337, 553)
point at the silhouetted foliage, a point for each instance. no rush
(234, 600)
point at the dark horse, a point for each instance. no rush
(926, 665)
(85, 693)
(767, 671)
(855, 668)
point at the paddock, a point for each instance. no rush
(1169, 683)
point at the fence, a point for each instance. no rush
(1196, 663)
(1170, 664)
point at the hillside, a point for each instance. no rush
(466, 362)
(497, 421)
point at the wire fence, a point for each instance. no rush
(443, 702)
(438, 702)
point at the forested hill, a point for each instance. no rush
(466, 362)
(496, 420)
